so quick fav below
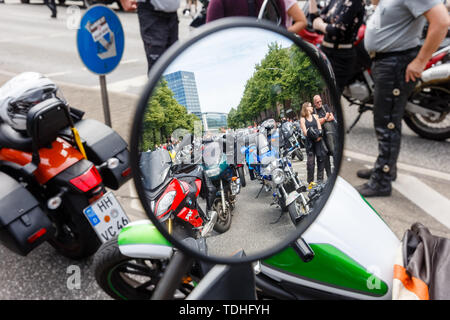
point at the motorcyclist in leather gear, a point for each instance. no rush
(388, 118)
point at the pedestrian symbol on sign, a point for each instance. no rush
(104, 38)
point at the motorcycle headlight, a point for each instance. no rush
(165, 203)
(278, 176)
(212, 172)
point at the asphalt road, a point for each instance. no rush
(31, 41)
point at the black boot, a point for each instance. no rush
(366, 173)
(367, 190)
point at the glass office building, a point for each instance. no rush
(184, 87)
(214, 120)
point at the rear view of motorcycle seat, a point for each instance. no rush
(23, 224)
(45, 120)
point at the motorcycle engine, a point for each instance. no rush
(357, 90)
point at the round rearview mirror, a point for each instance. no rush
(227, 145)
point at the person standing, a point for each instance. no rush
(327, 121)
(393, 39)
(52, 6)
(311, 128)
(189, 4)
(295, 17)
(248, 8)
(158, 22)
(339, 21)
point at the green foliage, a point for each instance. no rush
(285, 76)
(163, 116)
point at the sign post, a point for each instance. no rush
(100, 43)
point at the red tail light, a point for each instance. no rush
(36, 235)
(126, 172)
(87, 180)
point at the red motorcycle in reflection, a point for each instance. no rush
(172, 192)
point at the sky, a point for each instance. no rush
(223, 62)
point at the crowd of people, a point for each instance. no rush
(317, 125)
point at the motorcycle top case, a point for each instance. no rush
(23, 224)
(102, 143)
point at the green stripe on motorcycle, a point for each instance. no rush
(329, 266)
(142, 234)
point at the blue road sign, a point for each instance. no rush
(100, 39)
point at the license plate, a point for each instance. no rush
(106, 217)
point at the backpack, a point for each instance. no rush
(166, 5)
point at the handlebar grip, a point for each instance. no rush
(303, 250)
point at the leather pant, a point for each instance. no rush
(159, 30)
(390, 98)
(315, 150)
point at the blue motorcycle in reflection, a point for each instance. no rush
(271, 164)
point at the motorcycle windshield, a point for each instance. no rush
(212, 154)
(155, 167)
(263, 144)
(288, 129)
(268, 124)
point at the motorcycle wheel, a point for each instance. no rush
(425, 127)
(437, 128)
(298, 154)
(297, 211)
(241, 174)
(127, 278)
(75, 238)
(223, 216)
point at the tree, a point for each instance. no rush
(163, 116)
(284, 76)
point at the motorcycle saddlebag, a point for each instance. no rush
(23, 224)
(102, 143)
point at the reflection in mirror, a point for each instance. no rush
(238, 141)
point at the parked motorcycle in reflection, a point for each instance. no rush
(224, 177)
(275, 172)
(172, 191)
(290, 141)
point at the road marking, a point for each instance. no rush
(8, 73)
(56, 74)
(423, 196)
(426, 198)
(123, 85)
(129, 61)
(403, 166)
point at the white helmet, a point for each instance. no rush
(20, 94)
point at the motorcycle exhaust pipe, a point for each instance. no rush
(436, 75)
